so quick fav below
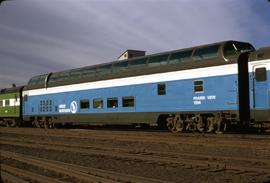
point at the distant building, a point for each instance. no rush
(131, 54)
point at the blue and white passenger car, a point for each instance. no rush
(201, 88)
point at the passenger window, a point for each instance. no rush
(75, 74)
(98, 103)
(180, 56)
(84, 104)
(138, 62)
(86, 72)
(161, 89)
(7, 103)
(104, 69)
(158, 60)
(120, 66)
(128, 101)
(206, 52)
(198, 86)
(229, 49)
(25, 98)
(260, 74)
(112, 102)
(1, 103)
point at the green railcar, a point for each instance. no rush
(10, 106)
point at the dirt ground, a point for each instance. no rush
(151, 155)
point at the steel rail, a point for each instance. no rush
(200, 164)
(144, 152)
(28, 175)
(7, 177)
(198, 141)
(85, 173)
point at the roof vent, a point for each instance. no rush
(131, 54)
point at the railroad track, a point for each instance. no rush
(148, 135)
(198, 162)
(73, 173)
(206, 140)
(130, 156)
(98, 148)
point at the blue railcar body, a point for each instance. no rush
(180, 96)
(192, 94)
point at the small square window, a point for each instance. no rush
(161, 89)
(84, 104)
(128, 101)
(198, 86)
(112, 102)
(98, 103)
(260, 74)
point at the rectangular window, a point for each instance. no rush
(198, 86)
(88, 71)
(75, 74)
(260, 74)
(208, 52)
(1, 103)
(180, 56)
(138, 62)
(7, 103)
(25, 98)
(98, 103)
(158, 60)
(104, 69)
(112, 102)
(128, 101)
(120, 66)
(161, 89)
(84, 104)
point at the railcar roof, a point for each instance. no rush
(153, 62)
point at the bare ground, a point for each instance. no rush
(83, 155)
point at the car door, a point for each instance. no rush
(260, 90)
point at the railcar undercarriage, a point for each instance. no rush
(198, 122)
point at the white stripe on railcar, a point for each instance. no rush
(151, 78)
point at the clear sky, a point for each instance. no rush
(42, 36)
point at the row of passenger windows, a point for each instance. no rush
(208, 52)
(201, 53)
(111, 102)
(129, 101)
(173, 58)
(46, 105)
